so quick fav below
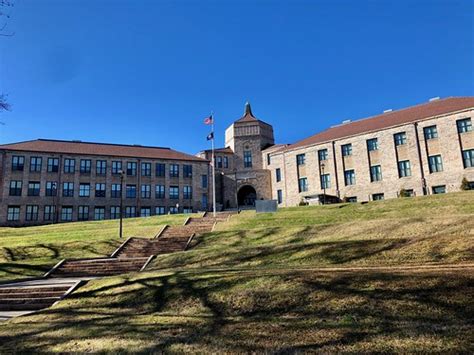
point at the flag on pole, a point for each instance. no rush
(208, 120)
(210, 136)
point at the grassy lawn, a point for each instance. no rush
(31, 251)
(244, 287)
(264, 310)
(431, 229)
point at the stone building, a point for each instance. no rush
(48, 181)
(423, 149)
(419, 150)
(240, 176)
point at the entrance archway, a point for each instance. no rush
(246, 196)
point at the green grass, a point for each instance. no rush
(244, 287)
(255, 311)
(431, 229)
(31, 251)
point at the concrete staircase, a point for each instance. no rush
(132, 256)
(171, 238)
(26, 296)
(98, 267)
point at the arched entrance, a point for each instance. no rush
(246, 196)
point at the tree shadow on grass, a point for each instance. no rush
(212, 312)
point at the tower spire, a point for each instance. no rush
(248, 109)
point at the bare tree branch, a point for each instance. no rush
(4, 105)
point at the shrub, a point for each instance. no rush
(465, 184)
(403, 193)
(303, 203)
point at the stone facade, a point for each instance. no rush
(192, 194)
(449, 145)
(422, 150)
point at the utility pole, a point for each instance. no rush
(121, 172)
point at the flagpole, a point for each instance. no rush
(213, 168)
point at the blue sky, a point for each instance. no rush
(148, 72)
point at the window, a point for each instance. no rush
(435, 163)
(68, 189)
(84, 190)
(174, 170)
(33, 188)
(66, 213)
(18, 163)
(31, 213)
(400, 138)
(99, 190)
(130, 211)
(468, 158)
(101, 167)
(160, 210)
(349, 177)
(204, 181)
(174, 192)
(53, 165)
(247, 159)
(160, 191)
(226, 162)
(145, 212)
(377, 197)
(35, 164)
(187, 192)
(116, 167)
(279, 196)
(323, 154)
(115, 212)
(145, 191)
(375, 173)
(346, 150)
(49, 213)
(174, 210)
(352, 199)
(146, 169)
(13, 213)
(302, 184)
(131, 191)
(116, 191)
(430, 132)
(85, 166)
(278, 174)
(404, 168)
(269, 159)
(218, 162)
(15, 188)
(464, 125)
(372, 144)
(69, 166)
(131, 168)
(300, 159)
(204, 201)
(439, 189)
(187, 210)
(160, 169)
(325, 181)
(188, 171)
(83, 213)
(99, 213)
(51, 188)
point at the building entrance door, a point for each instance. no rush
(246, 196)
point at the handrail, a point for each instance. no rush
(120, 247)
(54, 268)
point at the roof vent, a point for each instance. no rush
(434, 98)
(346, 121)
(386, 111)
